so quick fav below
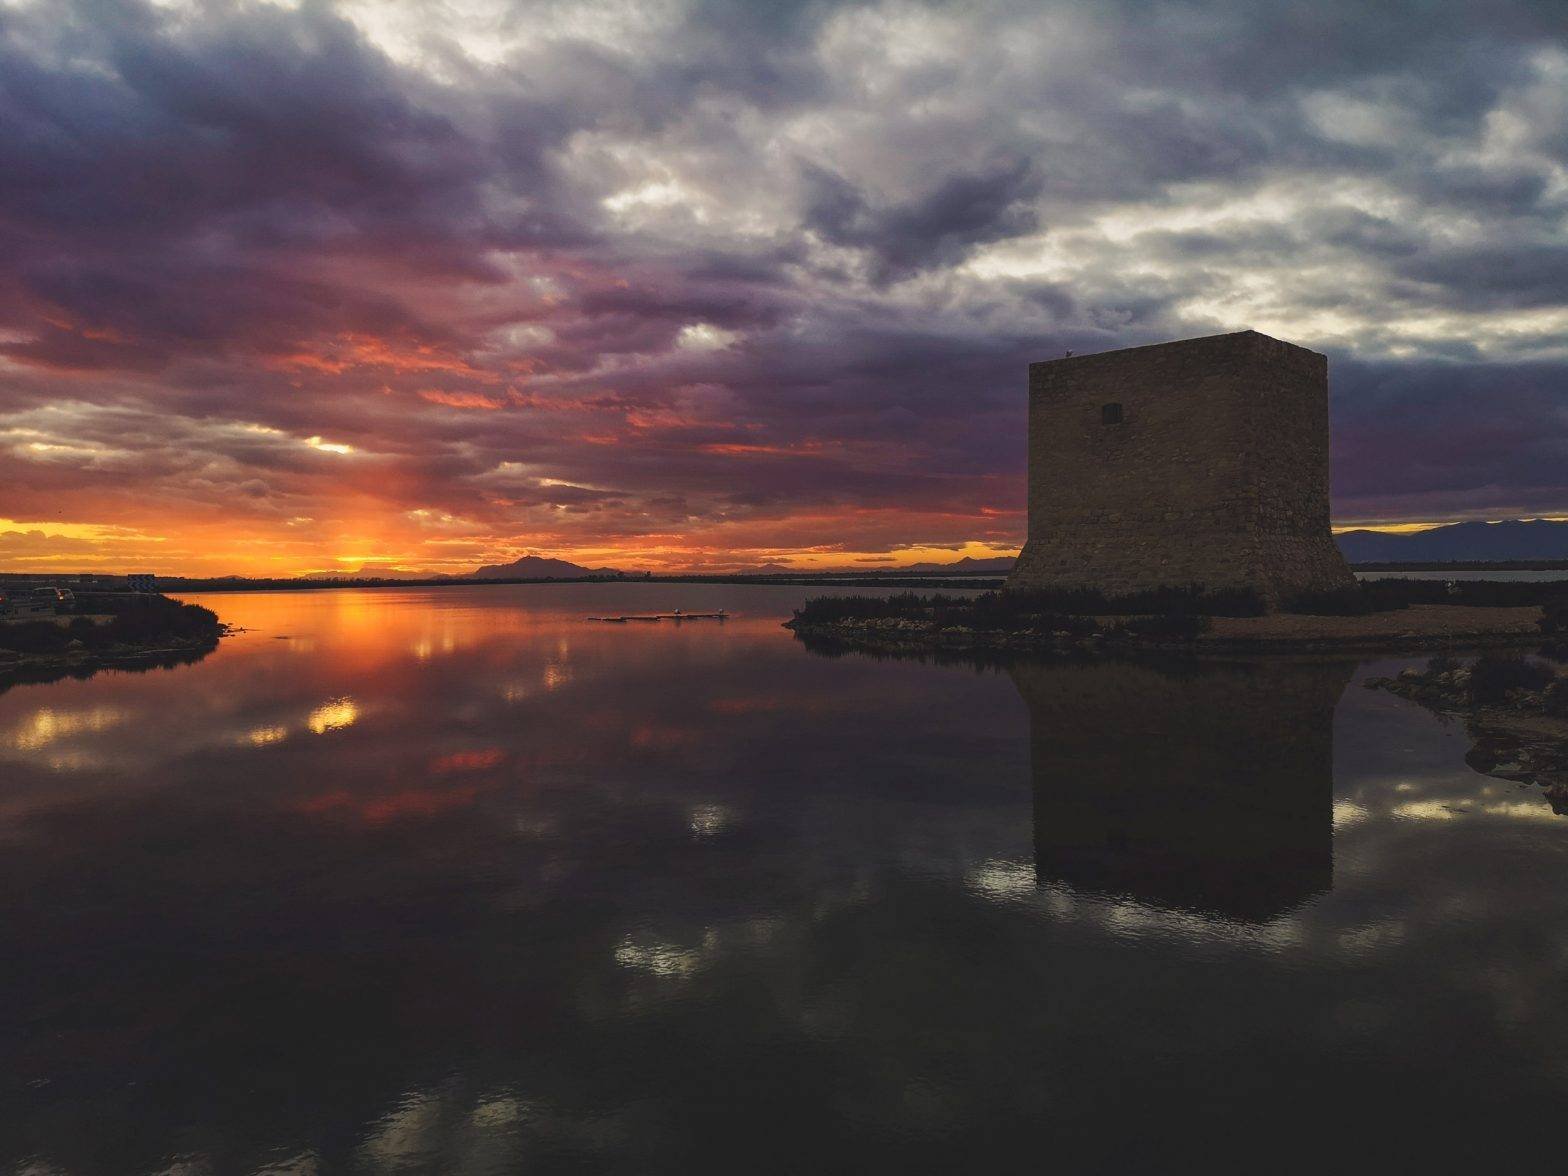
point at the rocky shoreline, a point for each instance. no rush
(1515, 707)
(1515, 711)
(1420, 627)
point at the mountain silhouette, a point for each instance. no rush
(539, 567)
(1460, 542)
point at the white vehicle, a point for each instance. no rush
(54, 596)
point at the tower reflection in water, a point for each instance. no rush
(1199, 786)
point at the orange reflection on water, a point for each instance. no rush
(650, 737)
(467, 761)
(381, 808)
(750, 705)
(48, 724)
(333, 715)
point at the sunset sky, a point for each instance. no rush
(295, 287)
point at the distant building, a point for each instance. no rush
(141, 582)
(1199, 462)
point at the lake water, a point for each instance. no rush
(1538, 576)
(455, 881)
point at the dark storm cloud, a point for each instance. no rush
(940, 226)
(700, 259)
(1473, 439)
(163, 184)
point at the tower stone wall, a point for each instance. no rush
(1204, 461)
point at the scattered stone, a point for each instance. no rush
(1516, 736)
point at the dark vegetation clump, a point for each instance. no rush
(1170, 626)
(1195, 598)
(34, 637)
(1497, 593)
(1494, 675)
(145, 620)
(1482, 593)
(1555, 699)
(1388, 595)
(1003, 612)
(1554, 626)
(137, 621)
(1336, 602)
(824, 610)
(1442, 664)
(1554, 618)
(183, 621)
(1056, 609)
(1358, 600)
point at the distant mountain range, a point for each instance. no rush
(767, 569)
(1516, 539)
(991, 564)
(539, 567)
(364, 573)
(1480, 542)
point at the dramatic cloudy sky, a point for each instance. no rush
(676, 283)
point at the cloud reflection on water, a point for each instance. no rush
(713, 888)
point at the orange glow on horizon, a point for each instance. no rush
(1411, 528)
(416, 543)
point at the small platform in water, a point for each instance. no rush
(677, 615)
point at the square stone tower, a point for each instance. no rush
(1203, 461)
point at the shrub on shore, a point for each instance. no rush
(1194, 598)
(1054, 609)
(166, 620)
(1170, 626)
(34, 637)
(1067, 609)
(1494, 675)
(1357, 600)
(1555, 699)
(824, 610)
(1473, 593)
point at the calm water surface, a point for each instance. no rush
(456, 881)
(1539, 576)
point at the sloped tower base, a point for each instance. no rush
(1277, 567)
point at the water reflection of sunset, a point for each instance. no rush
(47, 725)
(333, 715)
(562, 841)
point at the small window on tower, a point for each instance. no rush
(1110, 414)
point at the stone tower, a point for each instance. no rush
(1203, 461)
